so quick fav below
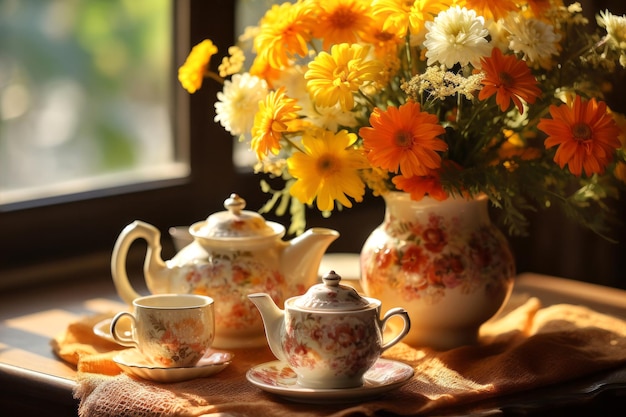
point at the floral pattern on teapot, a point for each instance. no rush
(229, 278)
(340, 344)
(424, 259)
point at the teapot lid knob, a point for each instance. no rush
(234, 204)
(331, 279)
(331, 296)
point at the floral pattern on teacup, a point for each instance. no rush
(176, 342)
(336, 344)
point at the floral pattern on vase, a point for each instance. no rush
(444, 262)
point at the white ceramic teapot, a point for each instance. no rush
(329, 336)
(234, 253)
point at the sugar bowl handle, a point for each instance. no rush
(402, 313)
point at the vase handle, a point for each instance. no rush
(397, 311)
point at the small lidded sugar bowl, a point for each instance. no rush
(330, 336)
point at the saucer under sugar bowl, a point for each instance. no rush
(330, 336)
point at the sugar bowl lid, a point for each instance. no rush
(235, 222)
(331, 296)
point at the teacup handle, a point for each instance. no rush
(397, 311)
(120, 337)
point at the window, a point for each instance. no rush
(85, 97)
(48, 236)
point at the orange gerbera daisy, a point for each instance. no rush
(275, 114)
(341, 21)
(540, 7)
(404, 139)
(585, 133)
(509, 79)
(419, 186)
(492, 9)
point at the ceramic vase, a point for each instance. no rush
(445, 262)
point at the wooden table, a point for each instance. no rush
(35, 382)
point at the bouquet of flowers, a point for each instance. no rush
(432, 97)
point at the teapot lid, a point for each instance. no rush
(331, 296)
(235, 222)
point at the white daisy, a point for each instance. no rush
(533, 38)
(457, 35)
(238, 102)
(615, 28)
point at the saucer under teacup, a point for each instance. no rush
(103, 329)
(276, 377)
(133, 362)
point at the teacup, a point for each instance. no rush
(170, 330)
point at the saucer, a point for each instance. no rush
(276, 377)
(132, 362)
(103, 329)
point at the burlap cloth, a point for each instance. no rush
(527, 348)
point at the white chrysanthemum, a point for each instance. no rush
(499, 35)
(457, 35)
(615, 28)
(533, 38)
(331, 118)
(238, 102)
(292, 78)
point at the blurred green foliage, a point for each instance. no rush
(85, 86)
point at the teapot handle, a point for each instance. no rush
(397, 311)
(135, 230)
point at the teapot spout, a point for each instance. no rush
(273, 320)
(303, 255)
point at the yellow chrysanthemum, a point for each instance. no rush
(274, 117)
(191, 73)
(341, 21)
(327, 170)
(402, 16)
(395, 15)
(334, 78)
(424, 11)
(284, 33)
(263, 70)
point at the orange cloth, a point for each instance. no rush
(529, 347)
(80, 346)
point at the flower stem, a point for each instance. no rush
(214, 76)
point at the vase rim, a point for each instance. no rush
(427, 200)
